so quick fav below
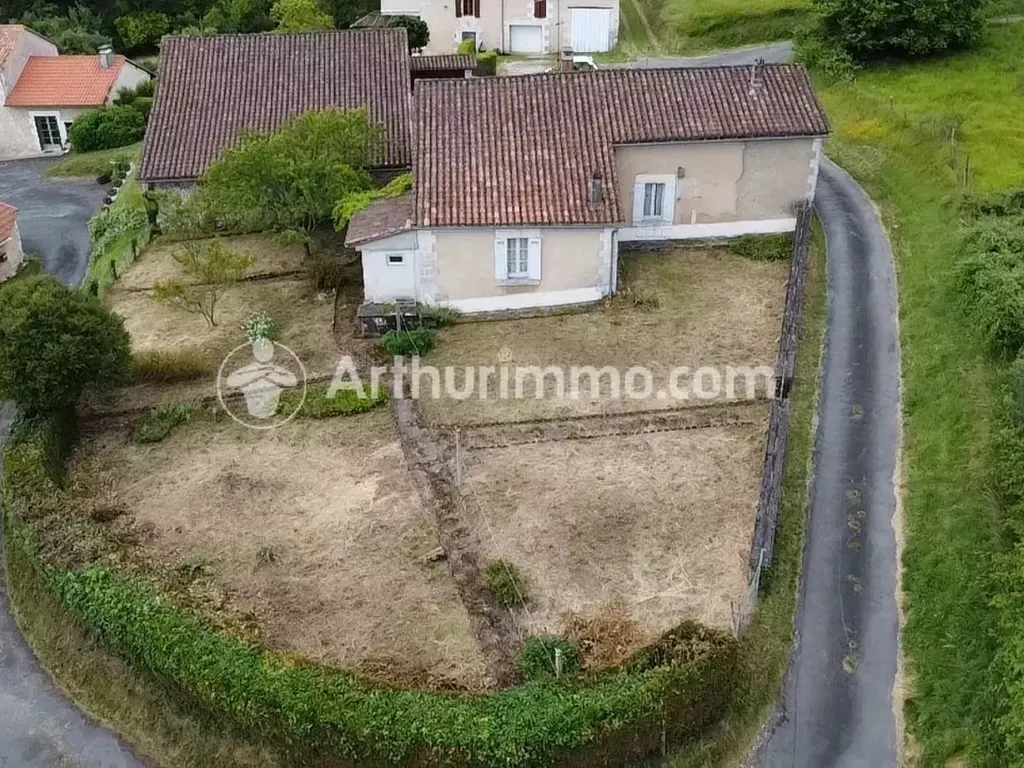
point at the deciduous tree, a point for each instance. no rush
(299, 16)
(213, 268)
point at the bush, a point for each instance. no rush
(317, 714)
(1008, 203)
(161, 420)
(868, 29)
(467, 48)
(260, 325)
(320, 404)
(55, 343)
(170, 366)
(505, 583)
(825, 57)
(990, 280)
(416, 30)
(408, 343)
(486, 64)
(437, 316)
(763, 247)
(537, 659)
(107, 128)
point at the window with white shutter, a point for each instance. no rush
(517, 256)
(654, 200)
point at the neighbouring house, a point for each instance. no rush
(11, 254)
(212, 89)
(42, 92)
(510, 26)
(526, 186)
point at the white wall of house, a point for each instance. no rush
(29, 44)
(18, 136)
(506, 24)
(714, 189)
(11, 254)
(468, 268)
(131, 76)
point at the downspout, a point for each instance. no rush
(613, 278)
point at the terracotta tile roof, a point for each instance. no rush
(522, 150)
(9, 36)
(450, 61)
(382, 219)
(8, 218)
(65, 81)
(213, 88)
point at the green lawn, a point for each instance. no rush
(893, 131)
(93, 163)
(689, 26)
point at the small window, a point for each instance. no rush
(467, 8)
(654, 200)
(540, 9)
(518, 257)
(396, 259)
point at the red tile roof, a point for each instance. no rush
(213, 88)
(382, 219)
(522, 150)
(65, 81)
(9, 36)
(8, 218)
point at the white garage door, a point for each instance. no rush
(526, 38)
(590, 29)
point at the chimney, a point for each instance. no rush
(106, 57)
(596, 189)
(566, 63)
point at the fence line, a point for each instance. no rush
(769, 501)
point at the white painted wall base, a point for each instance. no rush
(706, 231)
(526, 300)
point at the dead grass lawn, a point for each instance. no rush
(314, 531)
(654, 526)
(713, 309)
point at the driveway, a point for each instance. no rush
(52, 215)
(775, 53)
(838, 707)
(39, 727)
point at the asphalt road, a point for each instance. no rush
(838, 709)
(39, 727)
(52, 215)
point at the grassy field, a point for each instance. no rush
(893, 132)
(93, 163)
(689, 26)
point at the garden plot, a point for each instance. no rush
(684, 307)
(304, 317)
(314, 532)
(653, 526)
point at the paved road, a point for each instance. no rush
(52, 215)
(837, 711)
(776, 53)
(39, 728)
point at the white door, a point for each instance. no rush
(526, 38)
(590, 30)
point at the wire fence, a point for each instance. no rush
(769, 501)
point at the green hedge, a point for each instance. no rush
(108, 128)
(118, 234)
(674, 691)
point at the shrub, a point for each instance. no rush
(824, 56)
(763, 247)
(416, 30)
(990, 280)
(161, 420)
(537, 659)
(107, 128)
(170, 366)
(319, 403)
(437, 316)
(260, 325)
(408, 343)
(55, 343)
(1008, 203)
(467, 48)
(486, 64)
(505, 583)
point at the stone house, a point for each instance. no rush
(42, 92)
(525, 187)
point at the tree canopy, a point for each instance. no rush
(55, 343)
(299, 16)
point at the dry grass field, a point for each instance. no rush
(314, 532)
(688, 307)
(653, 526)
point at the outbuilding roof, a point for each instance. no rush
(8, 218)
(523, 150)
(65, 81)
(442, 62)
(382, 219)
(214, 88)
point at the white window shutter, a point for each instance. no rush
(668, 208)
(500, 259)
(534, 262)
(638, 202)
